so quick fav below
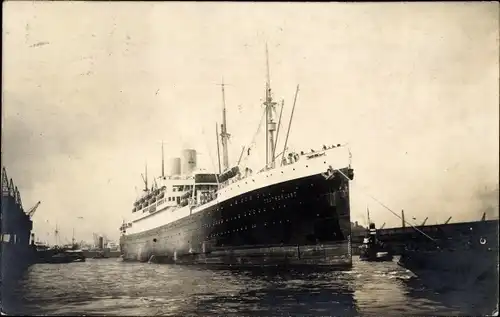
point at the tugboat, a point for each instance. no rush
(100, 255)
(374, 250)
(75, 255)
(58, 255)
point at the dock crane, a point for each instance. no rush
(446, 222)
(31, 212)
(382, 226)
(425, 220)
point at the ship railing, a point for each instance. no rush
(293, 157)
(203, 200)
(231, 181)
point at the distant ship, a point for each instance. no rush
(17, 250)
(293, 212)
(103, 248)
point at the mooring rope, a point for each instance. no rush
(383, 205)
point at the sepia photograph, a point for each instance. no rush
(183, 158)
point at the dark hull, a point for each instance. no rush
(101, 254)
(462, 260)
(16, 253)
(60, 260)
(54, 256)
(375, 258)
(301, 222)
(407, 237)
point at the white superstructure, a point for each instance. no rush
(177, 197)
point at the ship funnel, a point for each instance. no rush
(175, 166)
(188, 161)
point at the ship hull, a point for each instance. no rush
(16, 253)
(300, 222)
(452, 268)
(459, 260)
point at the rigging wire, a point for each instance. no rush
(383, 205)
(211, 158)
(255, 135)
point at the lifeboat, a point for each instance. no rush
(187, 194)
(184, 202)
(229, 174)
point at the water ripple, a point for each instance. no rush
(108, 287)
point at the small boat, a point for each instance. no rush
(59, 255)
(59, 258)
(75, 255)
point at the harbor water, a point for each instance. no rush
(110, 287)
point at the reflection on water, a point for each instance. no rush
(109, 287)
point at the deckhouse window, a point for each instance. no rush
(177, 188)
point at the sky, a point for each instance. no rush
(91, 89)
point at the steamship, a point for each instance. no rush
(295, 211)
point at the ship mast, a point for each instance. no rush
(56, 235)
(223, 134)
(218, 150)
(270, 124)
(162, 162)
(145, 178)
